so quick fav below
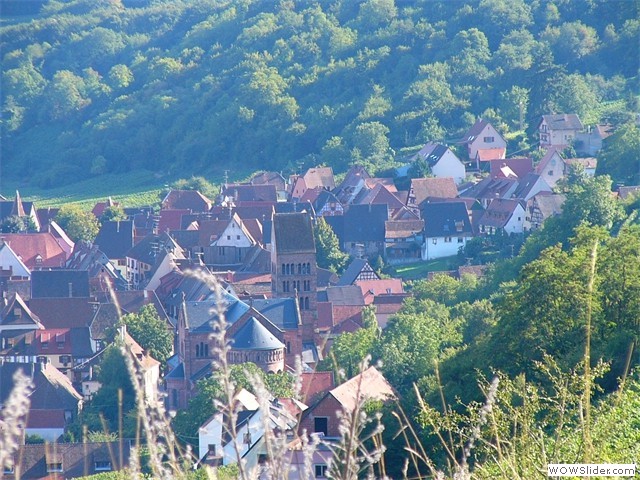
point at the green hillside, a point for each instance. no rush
(194, 87)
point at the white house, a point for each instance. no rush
(506, 215)
(216, 446)
(559, 130)
(447, 228)
(442, 162)
(10, 262)
(552, 167)
(483, 136)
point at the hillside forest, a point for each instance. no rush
(181, 87)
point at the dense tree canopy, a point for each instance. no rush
(151, 332)
(193, 87)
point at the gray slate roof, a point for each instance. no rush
(254, 336)
(282, 312)
(293, 233)
(444, 219)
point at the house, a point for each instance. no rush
(552, 167)
(559, 130)
(402, 240)
(358, 269)
(483, 136)
(510, 167)
(19, 208)
(217, 447)
(324, 416)
(152, 254)
(503, 215)
(16, 318)
(67, 460)
(54, 402)
(383, 286)
(231, 245)
(36, 250)
(447, 228)
(115, 239)
(59, 283)
(272, 178)
(99, 208)
(530, 185)
(489, 188)
(11, 265)
(540, 207)
(103, 276)
(186, 199)
(588, 164)
(590, 142)
(486, 155)
(234, 193)
(313, 178)
(423, 188)
(353, 182)
(380, 195)
(442, 162)
(363, 230)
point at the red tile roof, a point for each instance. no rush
(37, 250)
(314, 384)
(374, 288)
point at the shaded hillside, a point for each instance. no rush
(184, 87)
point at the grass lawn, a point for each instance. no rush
(414, 271)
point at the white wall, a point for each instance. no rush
(438, 247)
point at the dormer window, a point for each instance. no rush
(38, 259)
(17, 312)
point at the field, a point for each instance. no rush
(418, 270)
(133, 189)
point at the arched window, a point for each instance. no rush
(283, 267)
(197, 350)
(206, 350)
(306, 303)
(308, 268)
(299, 268)
(287, 269)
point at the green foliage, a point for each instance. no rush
(113, 213)
(151, 332)
(620, 157)
(199, 184)
(328, 252)
(79, 224)
(349, 350)
(188, 89)
(33, 439)
(15, 224)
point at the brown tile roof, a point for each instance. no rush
(433, 187)
(186, 199)
(63, 312)
(314, 384)
(402, 228)
(320, 177)
(369, 385)
(487, 154)
(386, 182)
(563, 121)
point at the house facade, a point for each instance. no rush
(483, 136)
(447, 228)
(559, 130)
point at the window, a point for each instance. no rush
(288, 347)
(54, 467)
(550, 172)
(228, 237)
(460, 240)
(237, 237)
(321, 470)
(447, 239)
(489, 139)
(102, 466)
(8, 470)
(321, 425)
(211, 448)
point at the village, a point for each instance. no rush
(256, 242)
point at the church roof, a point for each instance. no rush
(255, 336)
